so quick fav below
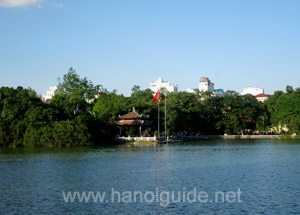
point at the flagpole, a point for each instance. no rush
(165, 117)
(158, 120)
(156, 99)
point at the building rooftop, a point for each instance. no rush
(133, 118)
(133, 115)
(262, 95)
(219, 92)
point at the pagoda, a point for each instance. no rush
(133, 120)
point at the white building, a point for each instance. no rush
(206, 85)
(191, 90)
(160, 83)
(253, 91)
(50, 93)
(262, 97)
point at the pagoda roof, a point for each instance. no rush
(133, 115)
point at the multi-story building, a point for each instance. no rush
(206, 85)
(253, 91)
(160, 83)
(50, 93)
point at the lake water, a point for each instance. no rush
(266, 172)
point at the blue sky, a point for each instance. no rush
(119, 43)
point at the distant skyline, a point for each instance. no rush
(121, 43)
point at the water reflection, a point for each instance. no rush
(267, 171)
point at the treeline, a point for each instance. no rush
(206, 114)
(84, 114)
(67, 121)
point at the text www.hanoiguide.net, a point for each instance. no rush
(162, 197)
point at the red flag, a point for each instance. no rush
(156, 96)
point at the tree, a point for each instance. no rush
(14, 105)
(231, 93)
(81, 87)
(109, 105)
(289, 89)
(210, 114)
(135, 89)
(26, 121)
(182, 112)
(284, 110)
(240, 112)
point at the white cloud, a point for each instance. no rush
(19, 3)
(61, 5)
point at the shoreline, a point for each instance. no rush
(205, 137)
(210, 137)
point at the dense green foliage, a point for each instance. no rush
(84, 114)
(67, 121)
(284, 110)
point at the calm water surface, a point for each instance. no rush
(266, 171)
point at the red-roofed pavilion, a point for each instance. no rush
(133, 120)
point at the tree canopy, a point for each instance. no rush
(84, 113)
